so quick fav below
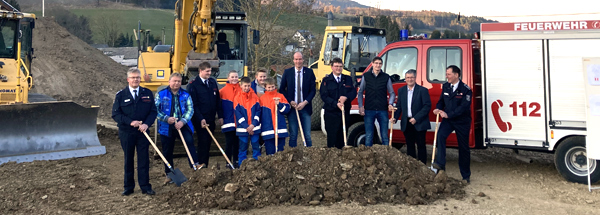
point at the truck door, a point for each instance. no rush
(438, 58)
(515, 93)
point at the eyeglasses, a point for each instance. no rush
(135, 77)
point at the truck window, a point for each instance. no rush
(399, 61)
(438, 58)
(329, 54)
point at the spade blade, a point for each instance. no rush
(177, 176)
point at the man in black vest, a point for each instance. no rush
(134, 111)
(207, 103)
(375, 85)
(337, 92)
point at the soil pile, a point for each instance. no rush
(314, 176)
(66, 68)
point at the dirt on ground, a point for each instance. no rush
(66, 68)
(315, 176)
(500, 184)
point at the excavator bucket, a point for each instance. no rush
(48, 131)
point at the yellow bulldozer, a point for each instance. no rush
(35, 126)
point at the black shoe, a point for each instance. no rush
(127, 192)
(468, 180)
(148, 192)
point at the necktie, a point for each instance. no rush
(206, 82)
(134, 94)
(338, 79)
(299, 88)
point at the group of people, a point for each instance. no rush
(255, 112)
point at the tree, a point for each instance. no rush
(108, 29)
(15, 4)
(76, 25)
(436, 34)
(265, 16)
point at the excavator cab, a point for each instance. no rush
(44, 130)
(231, 43)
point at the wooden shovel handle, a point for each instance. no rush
(157, 151)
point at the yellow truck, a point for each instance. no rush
(356, 46)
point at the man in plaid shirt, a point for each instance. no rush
(175, 110)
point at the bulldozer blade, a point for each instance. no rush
(48, 131)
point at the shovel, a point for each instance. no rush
(175, 175)
(437, 119)
(344, 128)
(300, 125)
(187, 150)
(276, 124)
(392, 127)
(222, 152)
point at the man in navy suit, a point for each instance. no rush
(298, 87)
(414, 102)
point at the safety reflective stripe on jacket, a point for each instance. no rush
(247, 111)
(228, 94)
(268, 112)
(163, 106)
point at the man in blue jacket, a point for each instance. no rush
(414, 105)
(134, 111)
(175, 110)
(298, 87)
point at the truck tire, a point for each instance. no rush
(356, 135)
(315, 118)
(570, 161)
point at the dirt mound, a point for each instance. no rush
(67, 68)
(314, 176)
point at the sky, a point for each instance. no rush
(503, 11)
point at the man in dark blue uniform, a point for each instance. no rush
(454, 106)
(134, 111)
(337, 92)
(204, 92)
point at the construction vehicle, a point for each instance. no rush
(201, 35)
(356, 46)
(45, 130)
(528, 90)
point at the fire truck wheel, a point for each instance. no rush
(570, 161)
(356, 135)
(315, 118)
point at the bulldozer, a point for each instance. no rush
(202, 34)
(35, 126)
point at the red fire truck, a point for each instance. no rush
(527, 82)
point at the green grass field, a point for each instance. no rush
(152, 19)
(155, 20)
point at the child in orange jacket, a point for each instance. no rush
(268, 111)
(228, 93)
(247, 113)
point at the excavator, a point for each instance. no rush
(35, 126)
(201, 35)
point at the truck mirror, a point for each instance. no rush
(255, 36)
(335, 44)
